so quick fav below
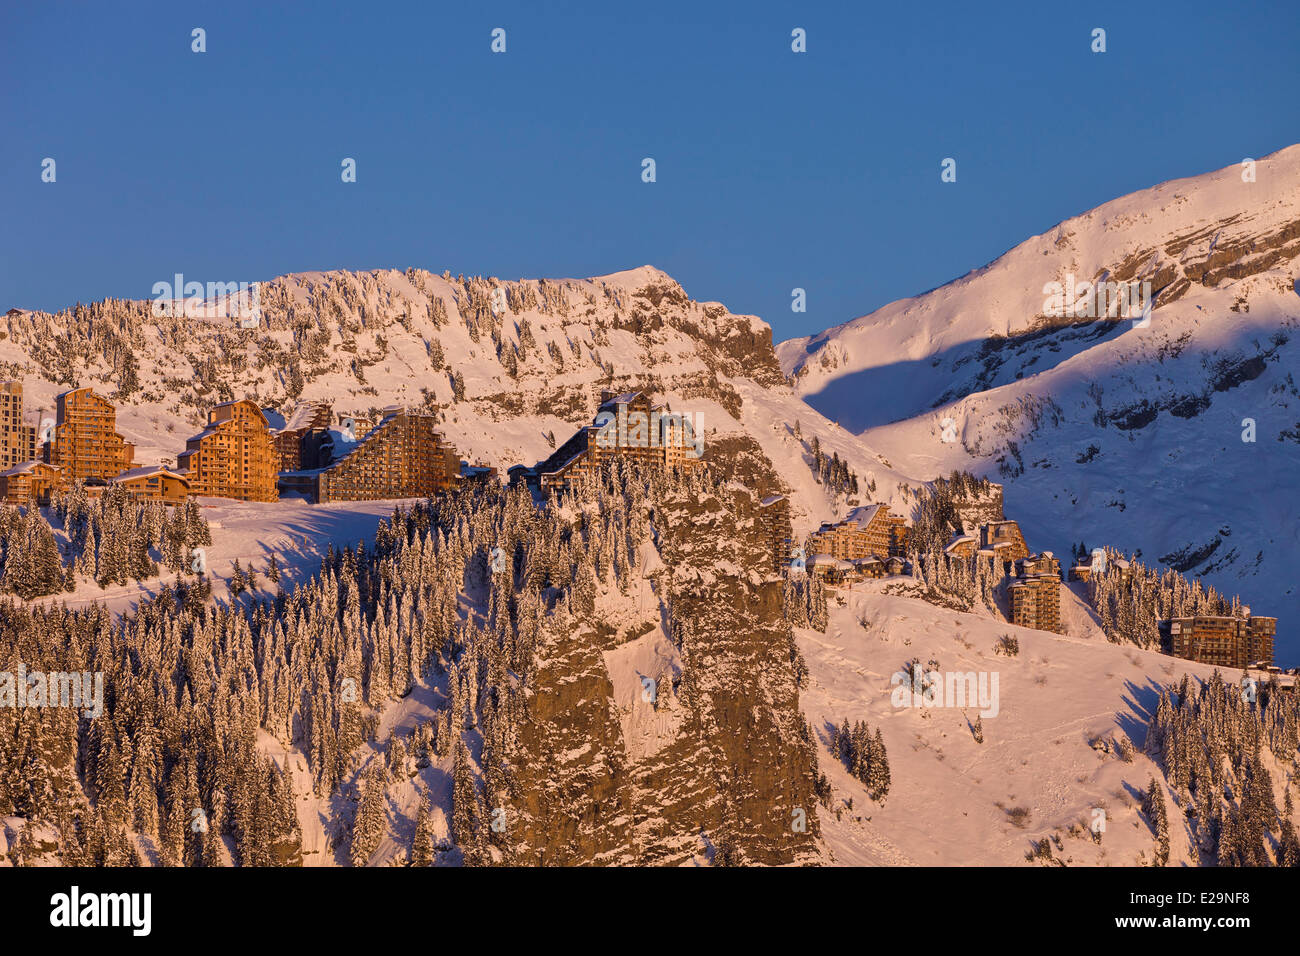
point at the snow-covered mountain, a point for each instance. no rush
(1102, 430)
(1174, 433)
(506, 365)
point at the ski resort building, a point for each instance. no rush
(865, 568)
(961, 546)
(401, 457)
(305, 435)
(774, 513)
(1224, 641)
(627, 425)
(85, 443)
(830, 569)
(477, 473)
(1044, 563)
(1004, 538)
(233, 457)
(17, 438)
(1036, 593)
(869, 530)
(155, 483)
(1036, 603)
(31, 482)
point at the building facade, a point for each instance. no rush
(306, 433)
(627, 425)
(1036, 593)
(32, 482)
(1036, 602)
(1223, 640)
(869, 530)
(402, 457)
(85, 443)
(1004, 538)
(155, 483)
(961, 546)
(233, 457)
(17, 438)
(774, 514)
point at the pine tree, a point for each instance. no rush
(878, 785)
(422, 844)
(238, 583)
(368, 822)
(1155, 809)
(466, 813)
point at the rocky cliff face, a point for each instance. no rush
(641, 747)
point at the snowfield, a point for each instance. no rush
(955, 802)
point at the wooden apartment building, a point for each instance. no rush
(1223, 640)
(233, 457)
(628, 425)
(1036, 594)
(402, 457)
(1005, 540)
(962, 546)
(867, 531)
(305, 435)
(85, 443)
(154, 483)
(30, 483)
(17, 438)
(774, 514)
(1036, 603)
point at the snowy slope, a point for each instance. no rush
(956, 802)
(1107, 430)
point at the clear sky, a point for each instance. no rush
(774, 169)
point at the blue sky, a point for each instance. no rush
(775, 170)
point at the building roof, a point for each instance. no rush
(148, 471)
(302, 416)
(26, 468)
(201, 435)
(863, 515)
(960, 539)
(621, 399)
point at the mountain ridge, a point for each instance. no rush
(1173, 437)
